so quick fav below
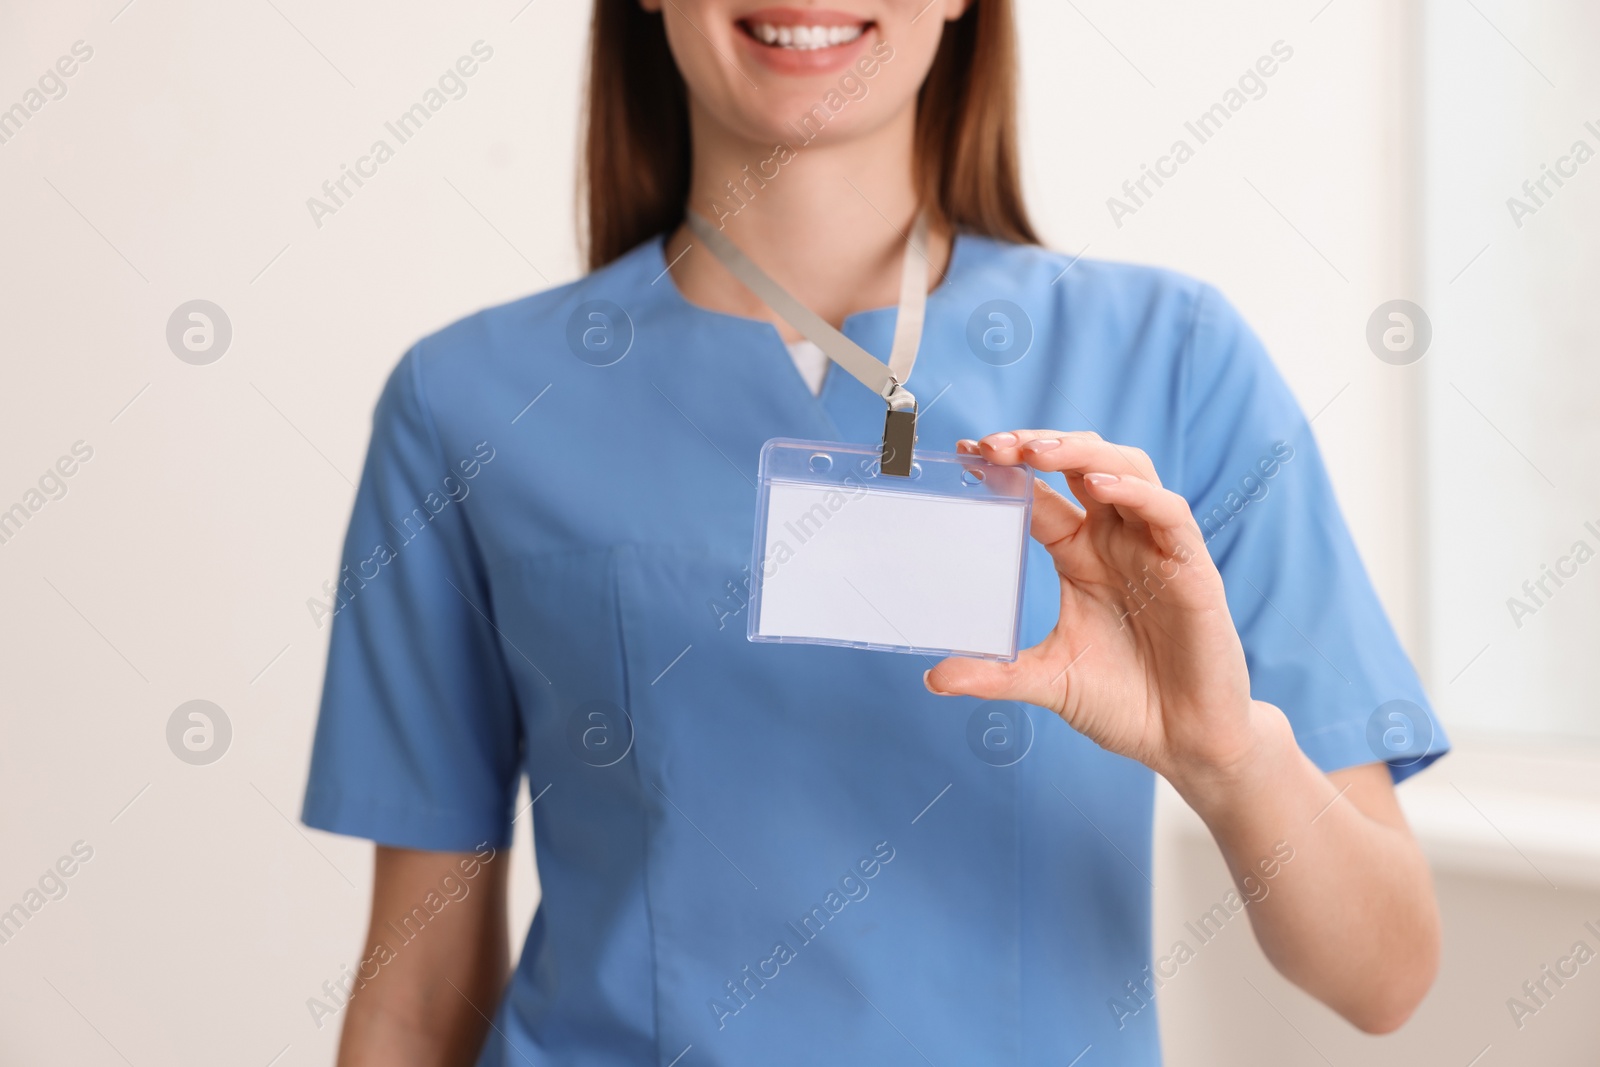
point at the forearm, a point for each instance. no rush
(424, 1024)
(435, 964)
(378, 1032)
(1351, 916)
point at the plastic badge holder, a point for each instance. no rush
(845, 555)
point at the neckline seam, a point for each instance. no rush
(958, 242)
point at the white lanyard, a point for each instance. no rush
(886, 379)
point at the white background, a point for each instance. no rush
(179, 563)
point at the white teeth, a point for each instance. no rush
(805, 38)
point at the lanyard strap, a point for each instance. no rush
(886, 379)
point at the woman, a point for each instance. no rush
(759, 853)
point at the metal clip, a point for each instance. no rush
(899, 431)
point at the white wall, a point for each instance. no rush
(177, 167)
(177, 567)
(1299, 210)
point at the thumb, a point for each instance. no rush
(1023, 679)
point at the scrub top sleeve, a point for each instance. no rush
(418, 741)
(1317, 640)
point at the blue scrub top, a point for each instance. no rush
(786, 854)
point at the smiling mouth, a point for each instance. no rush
(800, 38)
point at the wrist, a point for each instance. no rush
(1245, 776)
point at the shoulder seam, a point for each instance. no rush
(414, 357)
(1185, 367)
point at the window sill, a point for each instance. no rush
(1512, 811)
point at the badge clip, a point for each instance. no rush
(899, 431)
(900, 424)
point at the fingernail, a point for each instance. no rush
(1101, 479)
(1002, 440)
(1043, 445)
(927, 680)
(967, 447)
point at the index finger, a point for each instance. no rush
(1074, 452)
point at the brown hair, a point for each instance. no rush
(634, 181)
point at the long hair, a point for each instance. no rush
(634, 174)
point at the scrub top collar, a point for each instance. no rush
(938, 295)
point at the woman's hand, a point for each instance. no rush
(1144, 660)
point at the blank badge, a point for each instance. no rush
(846, 555)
